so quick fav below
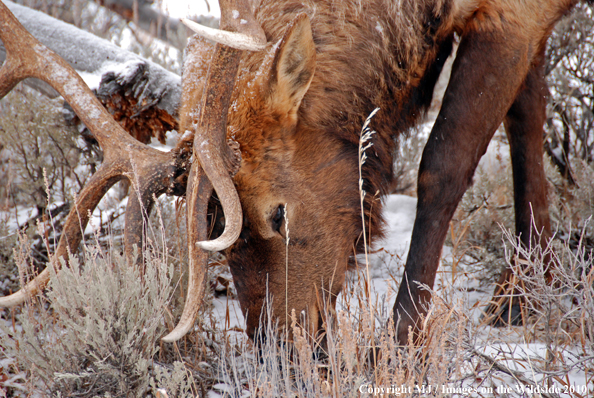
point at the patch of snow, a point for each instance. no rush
(124, 71)
(224, 305)
(15, 381)
(524, 358)
(497, 155)
(127, 38)
(171, 139)
(399, 212)
(110, 207)
(558, 152)
(16, 218)
(91, 79)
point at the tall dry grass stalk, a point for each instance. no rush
(345, 366)
(364, 144)
(287, 240)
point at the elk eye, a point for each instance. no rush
(277, 218)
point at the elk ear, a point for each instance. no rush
(290, 65)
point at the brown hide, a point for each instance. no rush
(297, 111)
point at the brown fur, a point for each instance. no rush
(297, 112)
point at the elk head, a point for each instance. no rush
(297, 186)
(294, 194)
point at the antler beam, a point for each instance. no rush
(216, 158)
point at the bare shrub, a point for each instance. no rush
(571, 81)
(8, 240)
(341, 367)
(42, 151)
(457, 358)
(42, 161)
(97, 329)
(406, 166)
(357, 355)
(558, 284)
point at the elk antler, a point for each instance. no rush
(238, 27)
(209, 123)
(150, 171)
(231, 39)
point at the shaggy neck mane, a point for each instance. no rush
(370, 54)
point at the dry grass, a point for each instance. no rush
(96, 331)
(57, 343)
(460, 354)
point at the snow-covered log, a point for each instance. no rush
(143, 96)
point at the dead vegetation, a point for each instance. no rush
(96, 331)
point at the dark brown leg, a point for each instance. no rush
(486, 78)
(524, 127)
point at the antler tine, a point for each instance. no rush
(238, 27)
(210, 134)
(124, 157)
(231, 39)
(216, 159)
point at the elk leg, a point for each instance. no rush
(524, 127)
(486, 77)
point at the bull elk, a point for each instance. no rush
(274, 126)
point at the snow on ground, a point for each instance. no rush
(386, 266)
(16, 217)
(171, 139)
(524, 358)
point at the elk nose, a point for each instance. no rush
(256, 324)
(252, 333)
